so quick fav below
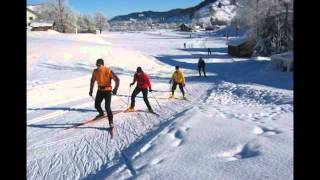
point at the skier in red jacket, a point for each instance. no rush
(143, 84)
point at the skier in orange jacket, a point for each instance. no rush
(103, 76)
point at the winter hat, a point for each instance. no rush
(99, 62)
(139, 69)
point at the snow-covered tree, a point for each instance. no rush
(59, 12)
(89, 23)
(101, 21)
(271, 24)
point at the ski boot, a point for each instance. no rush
(99, 116)
(130, 109)
(171, 97)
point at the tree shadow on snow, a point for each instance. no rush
(62, 109)
(83, 68)
(238, 72)
(205, 50)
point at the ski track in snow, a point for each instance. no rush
(91, 154)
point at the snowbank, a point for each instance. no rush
(283, 60)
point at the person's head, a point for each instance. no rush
(177, 67)
(99, 62)
(139, 69)
(200, 58)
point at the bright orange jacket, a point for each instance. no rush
(103, 76)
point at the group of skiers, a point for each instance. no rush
(103, 75)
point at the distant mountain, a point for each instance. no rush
(175, 15)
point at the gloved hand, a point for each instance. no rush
(131, 84)
(150, 90)
(114, 91)
(90, 93)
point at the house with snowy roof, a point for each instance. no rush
(42, 25)
(31, 16)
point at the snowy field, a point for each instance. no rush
(236, 124)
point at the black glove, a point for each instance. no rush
(131, 84)
(150, 90)
(114, 91)
(90, 93)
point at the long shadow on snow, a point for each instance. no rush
(74, 125)
(82, 68)
(126, 154)
(66, 126)
(213, 50)
(197, 55)
(238, 72)
(64, 67)
(62, 108)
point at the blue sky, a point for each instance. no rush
(120, 7)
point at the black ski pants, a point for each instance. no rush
(106, 96)
(135, 92)
(203, 70)
(174, 87)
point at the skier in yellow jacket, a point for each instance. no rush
(178, 79)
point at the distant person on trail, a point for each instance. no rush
(201, 66)
(103, 76)
(237, 30)
(178, 79)
(209, 51)
(143, 84)
(184, 44)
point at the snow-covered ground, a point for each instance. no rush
(236, 124)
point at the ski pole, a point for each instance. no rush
(156, 100)
(186, 90)
(122, 100)
(129, 96)
(170, 88)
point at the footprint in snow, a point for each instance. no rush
(266, 131)
(156, 161)
(241, 152)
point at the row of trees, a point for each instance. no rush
(271, 24)
(67, 20)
